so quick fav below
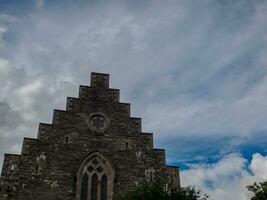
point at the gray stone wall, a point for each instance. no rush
(94, 122)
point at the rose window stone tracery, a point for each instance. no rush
(98, 122)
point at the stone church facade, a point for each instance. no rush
(93, 150)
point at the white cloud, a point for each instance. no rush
(8, 18)
(4, 67)
(228, 178)
(259, 166)
(189, 69)
(3, 30)
(40, 3)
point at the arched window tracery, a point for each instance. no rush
(95, 178)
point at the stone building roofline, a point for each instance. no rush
(11, 154)
(99, 80)
(174, 167)
(145, 133)
(99, 74)
(156, 149)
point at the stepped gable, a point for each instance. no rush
(92, 150)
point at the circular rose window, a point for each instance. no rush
(98, 122)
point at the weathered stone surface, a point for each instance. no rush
(95, 135)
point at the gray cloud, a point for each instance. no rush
(189, 69)
(9, 118)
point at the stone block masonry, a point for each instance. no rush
(93, 150)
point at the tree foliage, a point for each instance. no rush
(155, 191)
(259, 191)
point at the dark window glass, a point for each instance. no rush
(95, 162)
(104, 187)
(36, 169)
(90, 169)
(84, 187)
(99, 169)
(66, 140)
(151, 176)
(94, 187)
(9, 189)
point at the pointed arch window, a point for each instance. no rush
(104, 187)
(95, 179)
(94, 187)
(84, 187)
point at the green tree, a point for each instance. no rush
(259, 191)
(155, 191)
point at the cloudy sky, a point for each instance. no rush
(195, 71)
